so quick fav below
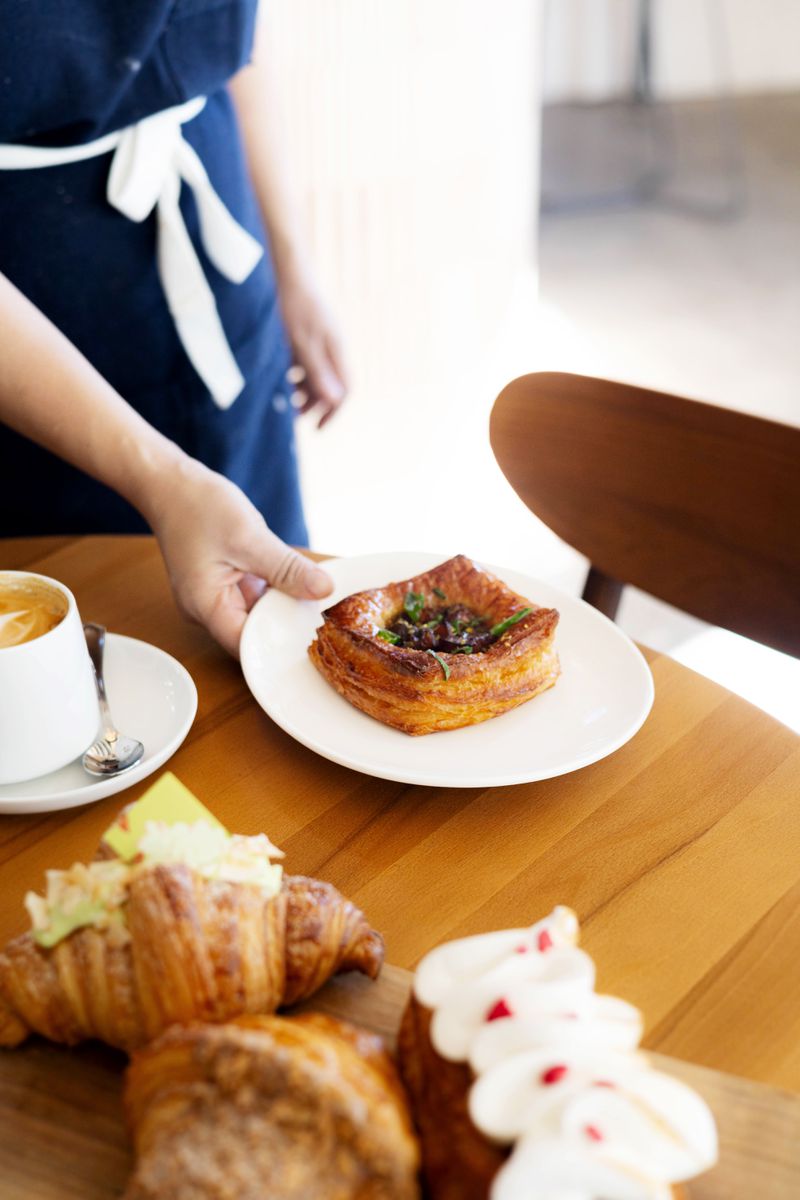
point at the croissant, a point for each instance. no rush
(189, 949)
(303, 1107)
(451, 647)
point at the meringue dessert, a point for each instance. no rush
(527, 1083)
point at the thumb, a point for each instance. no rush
(290, 572)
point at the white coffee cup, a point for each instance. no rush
(48, 703)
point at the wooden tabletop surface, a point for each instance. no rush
(680, 852)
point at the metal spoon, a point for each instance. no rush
(112, 752)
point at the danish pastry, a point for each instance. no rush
(451, 647)
(524, 1082)
(294, 1108)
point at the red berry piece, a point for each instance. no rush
(553, 1074)
(593, 1132)
(522, 949)
(544, 941)
(499, 1010)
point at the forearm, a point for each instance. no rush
(313, 336)
(217, 548)
(50, 393)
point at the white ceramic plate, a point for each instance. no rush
(152, 698)
(601, 699)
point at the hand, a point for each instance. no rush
(219, 553)
(318, 373)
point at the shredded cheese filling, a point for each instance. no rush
(96, 893)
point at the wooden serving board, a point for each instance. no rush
(62, 1133)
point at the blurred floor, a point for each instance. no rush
(668, 293)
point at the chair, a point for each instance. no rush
(695, 504)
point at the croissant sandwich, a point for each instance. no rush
(297, 1108)
(525, 1083)
(451, 647)
(184, 922)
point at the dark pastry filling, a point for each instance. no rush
(455, 629)
(445, 628)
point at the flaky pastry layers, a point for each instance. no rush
(298, 1108)
(191, 949)
(407, 688)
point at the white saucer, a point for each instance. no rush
(601, 699)
(152, 697)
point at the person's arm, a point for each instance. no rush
(216, 545)
(314, 339)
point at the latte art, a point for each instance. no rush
(28, 609)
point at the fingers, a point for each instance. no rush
(288, 571)
(297, 576)
(226, 619)
(223, 606)
(335, 353)
(323, 405)
(252, 588)
(330, 411)
(321, 377)
(306, 400)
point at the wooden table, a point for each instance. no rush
(680, 853)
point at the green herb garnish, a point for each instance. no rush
(388, 636)
(500, 628)
(441, 662)
(462, 650)
(413, 605)
(438, 592)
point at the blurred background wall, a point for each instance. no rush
(414, 137)
(702, 47)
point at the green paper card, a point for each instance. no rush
(168, 800)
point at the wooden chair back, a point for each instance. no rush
(695, 504)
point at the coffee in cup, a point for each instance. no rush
(48, 701)
(29, 608)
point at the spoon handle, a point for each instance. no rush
(95, 643)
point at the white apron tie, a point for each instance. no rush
(151, 158)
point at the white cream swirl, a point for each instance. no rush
(213, 853)
(557, 1072)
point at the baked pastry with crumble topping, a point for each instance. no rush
(525, 1082)
(451, 647)
(294, 1108)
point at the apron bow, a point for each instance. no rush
(151, 161)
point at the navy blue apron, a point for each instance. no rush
(71, 71)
